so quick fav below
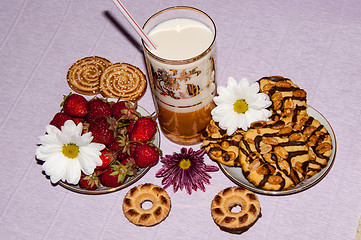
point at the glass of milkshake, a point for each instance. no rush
(182, 71)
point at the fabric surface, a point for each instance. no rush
(317, 44)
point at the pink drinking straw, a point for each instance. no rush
(134, 24)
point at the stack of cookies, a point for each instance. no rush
(280, 153)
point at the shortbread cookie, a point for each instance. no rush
(233, 221)
(220, 147)
(136, 214)
(123, 80)
(84, 75)
(287, 98)
(274, 155)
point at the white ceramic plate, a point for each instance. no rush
(236, 175)
(129, 181)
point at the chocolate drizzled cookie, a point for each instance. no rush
(287, 98)
(221, 147)
(274, 156)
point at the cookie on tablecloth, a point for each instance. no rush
(84, 75)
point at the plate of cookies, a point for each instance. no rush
(291, 152)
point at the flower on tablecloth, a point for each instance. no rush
(240, 104)
(66, 152)
(185, 170)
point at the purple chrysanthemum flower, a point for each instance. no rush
(185, 170)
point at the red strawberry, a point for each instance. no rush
(102, 130)
(146, 155)
(124, 110)
(115, 174)
(131, 163)
(59, 119)
(119, 148)
(107, 157)
(90, 182)
(98, 108)
(130, 127)
(75, 105)
(144, 129)
(78, 120)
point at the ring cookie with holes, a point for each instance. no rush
(274, 155)
(133, 200)
(318, 140)
(287, 98)
(123, 80)
(84, 75)
(220, 147)
(233, 221)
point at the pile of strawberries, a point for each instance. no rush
(127, 135)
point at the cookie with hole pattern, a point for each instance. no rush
(227, 217)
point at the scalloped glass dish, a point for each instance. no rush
(236, 175)
(128, 182)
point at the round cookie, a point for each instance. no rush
(274, 155)
(287, 98)
(83, 76)
(123, 80)
(318, 140)
(233, 221)
(220, 147)
(134, 199)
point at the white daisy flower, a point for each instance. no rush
(238, 105)
(67, 152)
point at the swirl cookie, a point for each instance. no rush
(287, 98)
(274, 155)
(220, 147)
(123, 80)
(134, 199)
(83, 76)
(233, 221)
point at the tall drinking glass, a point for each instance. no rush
(182, 71)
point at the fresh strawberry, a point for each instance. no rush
(124, 110)
(131, 163)
(119, 148)
(59, 119)
(90, 182)
(144, 129)
(102, 130)
(107, 157)
(115, 174)
(75, 105)
(146, 155)
(78, 120)
(130, 127)
(98, 108)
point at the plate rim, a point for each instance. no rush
(316, 178)
(77, 189)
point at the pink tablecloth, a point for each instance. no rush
(315, 43)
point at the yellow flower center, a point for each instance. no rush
(70, 150)
(240, 106)
(185, 163)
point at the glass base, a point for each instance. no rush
(182, 140)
